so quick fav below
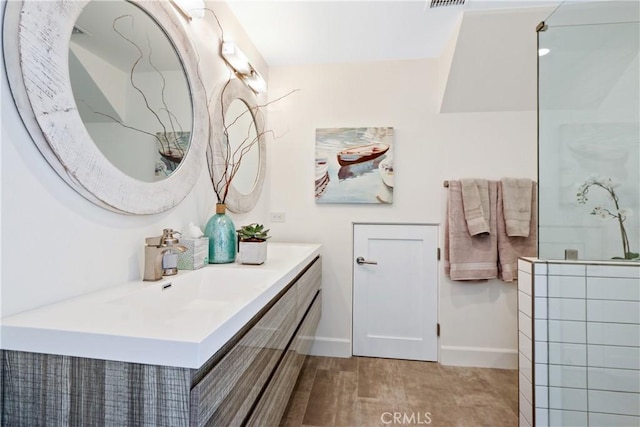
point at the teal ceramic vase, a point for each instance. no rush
(222, 237)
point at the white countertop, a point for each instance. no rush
(140, 322)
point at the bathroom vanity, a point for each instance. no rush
(222, 345)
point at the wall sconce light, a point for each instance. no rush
(238, 61)
(190, 8)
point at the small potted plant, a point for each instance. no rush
(252, 244)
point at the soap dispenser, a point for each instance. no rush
(170, 257)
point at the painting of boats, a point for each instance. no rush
(362, 153)
(386, 171)
(322, 175)
(172, 146)
(349, 165)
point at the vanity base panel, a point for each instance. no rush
(42, 389)
(274, 401)
(225, 395)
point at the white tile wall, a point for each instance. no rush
(566, 308)
(587, 345)
(613, 289)
(524, 303)
(613, 271)
(567, 418)
(567, 286)
(614, 311)
(542, 374)
(542, 352)
(540, 268)
(567, 269)
(609, 420)
(525, 266)
(568, 354)
(524, 324)
(567, 376)
(540, 308)
(542, 417)
(541, 330)
(572, 399)
(613, 379)
(611, 402)
(526, 409)
(613, 334)
(614, 357)
(525, 345)
(566, 331)
(525, 367)
(524, 282)
(540, 285)
(542, 396)
(523, 421)
(525, 387)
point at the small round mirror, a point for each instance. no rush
(130, 89)
(243, 143)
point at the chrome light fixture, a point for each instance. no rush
(240, 64)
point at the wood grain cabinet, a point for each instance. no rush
(247, 382)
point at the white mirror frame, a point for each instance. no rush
(235, 89)
(36, 45)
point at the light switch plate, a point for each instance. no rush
(278, 217)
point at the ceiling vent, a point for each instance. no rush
(444, 3)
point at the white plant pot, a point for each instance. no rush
(253, 252)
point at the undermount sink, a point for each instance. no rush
(202, 290)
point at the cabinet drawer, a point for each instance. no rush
(308, 286)
(274, 402)
(225, 395)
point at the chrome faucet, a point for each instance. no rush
(154, 251)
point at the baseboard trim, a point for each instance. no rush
(479, 357)
(331, 347)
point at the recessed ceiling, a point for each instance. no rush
(317, 32)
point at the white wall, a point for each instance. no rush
(56, 244)
(479, 325)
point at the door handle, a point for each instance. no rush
(361, 261)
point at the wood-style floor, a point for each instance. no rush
(363, 391)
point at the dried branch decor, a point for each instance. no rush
(223, 161)
(171, 139)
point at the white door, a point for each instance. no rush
(395, 291)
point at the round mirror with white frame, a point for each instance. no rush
(238, 139)
(38, 51)
(243, 141)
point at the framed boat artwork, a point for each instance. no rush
(172, 146)
(354, 165)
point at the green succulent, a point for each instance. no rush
(253, 233)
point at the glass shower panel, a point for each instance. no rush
(589, 131)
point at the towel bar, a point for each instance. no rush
(446, 184)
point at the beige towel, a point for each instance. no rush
(516, 199)
(467, 257)
(511, 248)
(475, 200)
